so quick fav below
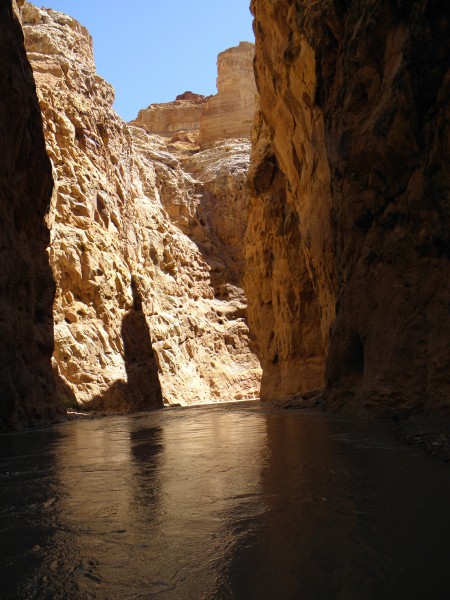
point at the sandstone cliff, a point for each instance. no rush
(142, 312)
(349, 221)
(27, 394)
(229, 114)
(183, 114)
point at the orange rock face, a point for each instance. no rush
(350, 217)
(27, 393)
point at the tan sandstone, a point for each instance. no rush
(226, 115)
(183, 114)
(229, 114)
(143, 313)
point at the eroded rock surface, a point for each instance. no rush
(349, 221)
(142, 311)
(27, 393)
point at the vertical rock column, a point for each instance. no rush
(26, 284)
(229, 114)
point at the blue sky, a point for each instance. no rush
(153, 50)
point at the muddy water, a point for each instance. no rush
(232, 502)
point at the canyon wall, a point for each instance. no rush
(144, 314)
(27, 394)
(349, 217)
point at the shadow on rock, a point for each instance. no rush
(27, 391)
(64, 392)
(142, 390)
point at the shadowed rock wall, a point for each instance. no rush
(355, 120)
(27, 395)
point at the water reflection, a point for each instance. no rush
(95, 521)
(349, 515)
(211, 477)
(233, 502)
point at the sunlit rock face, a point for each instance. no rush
(183, 114)
(203, 345)
(226, 115)
(138, 320)
(229, 114)
(27, 394)
(349, 219)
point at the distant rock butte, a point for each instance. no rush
(228, 114)
(183, 114)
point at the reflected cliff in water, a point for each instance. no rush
(224, 502)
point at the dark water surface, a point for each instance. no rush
(230, 502)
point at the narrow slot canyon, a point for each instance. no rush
(224, 323)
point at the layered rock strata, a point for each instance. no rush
(350, 202)
(138, 318)
(168, 118)
(229, 114)
(226, 115)
(27, 393)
